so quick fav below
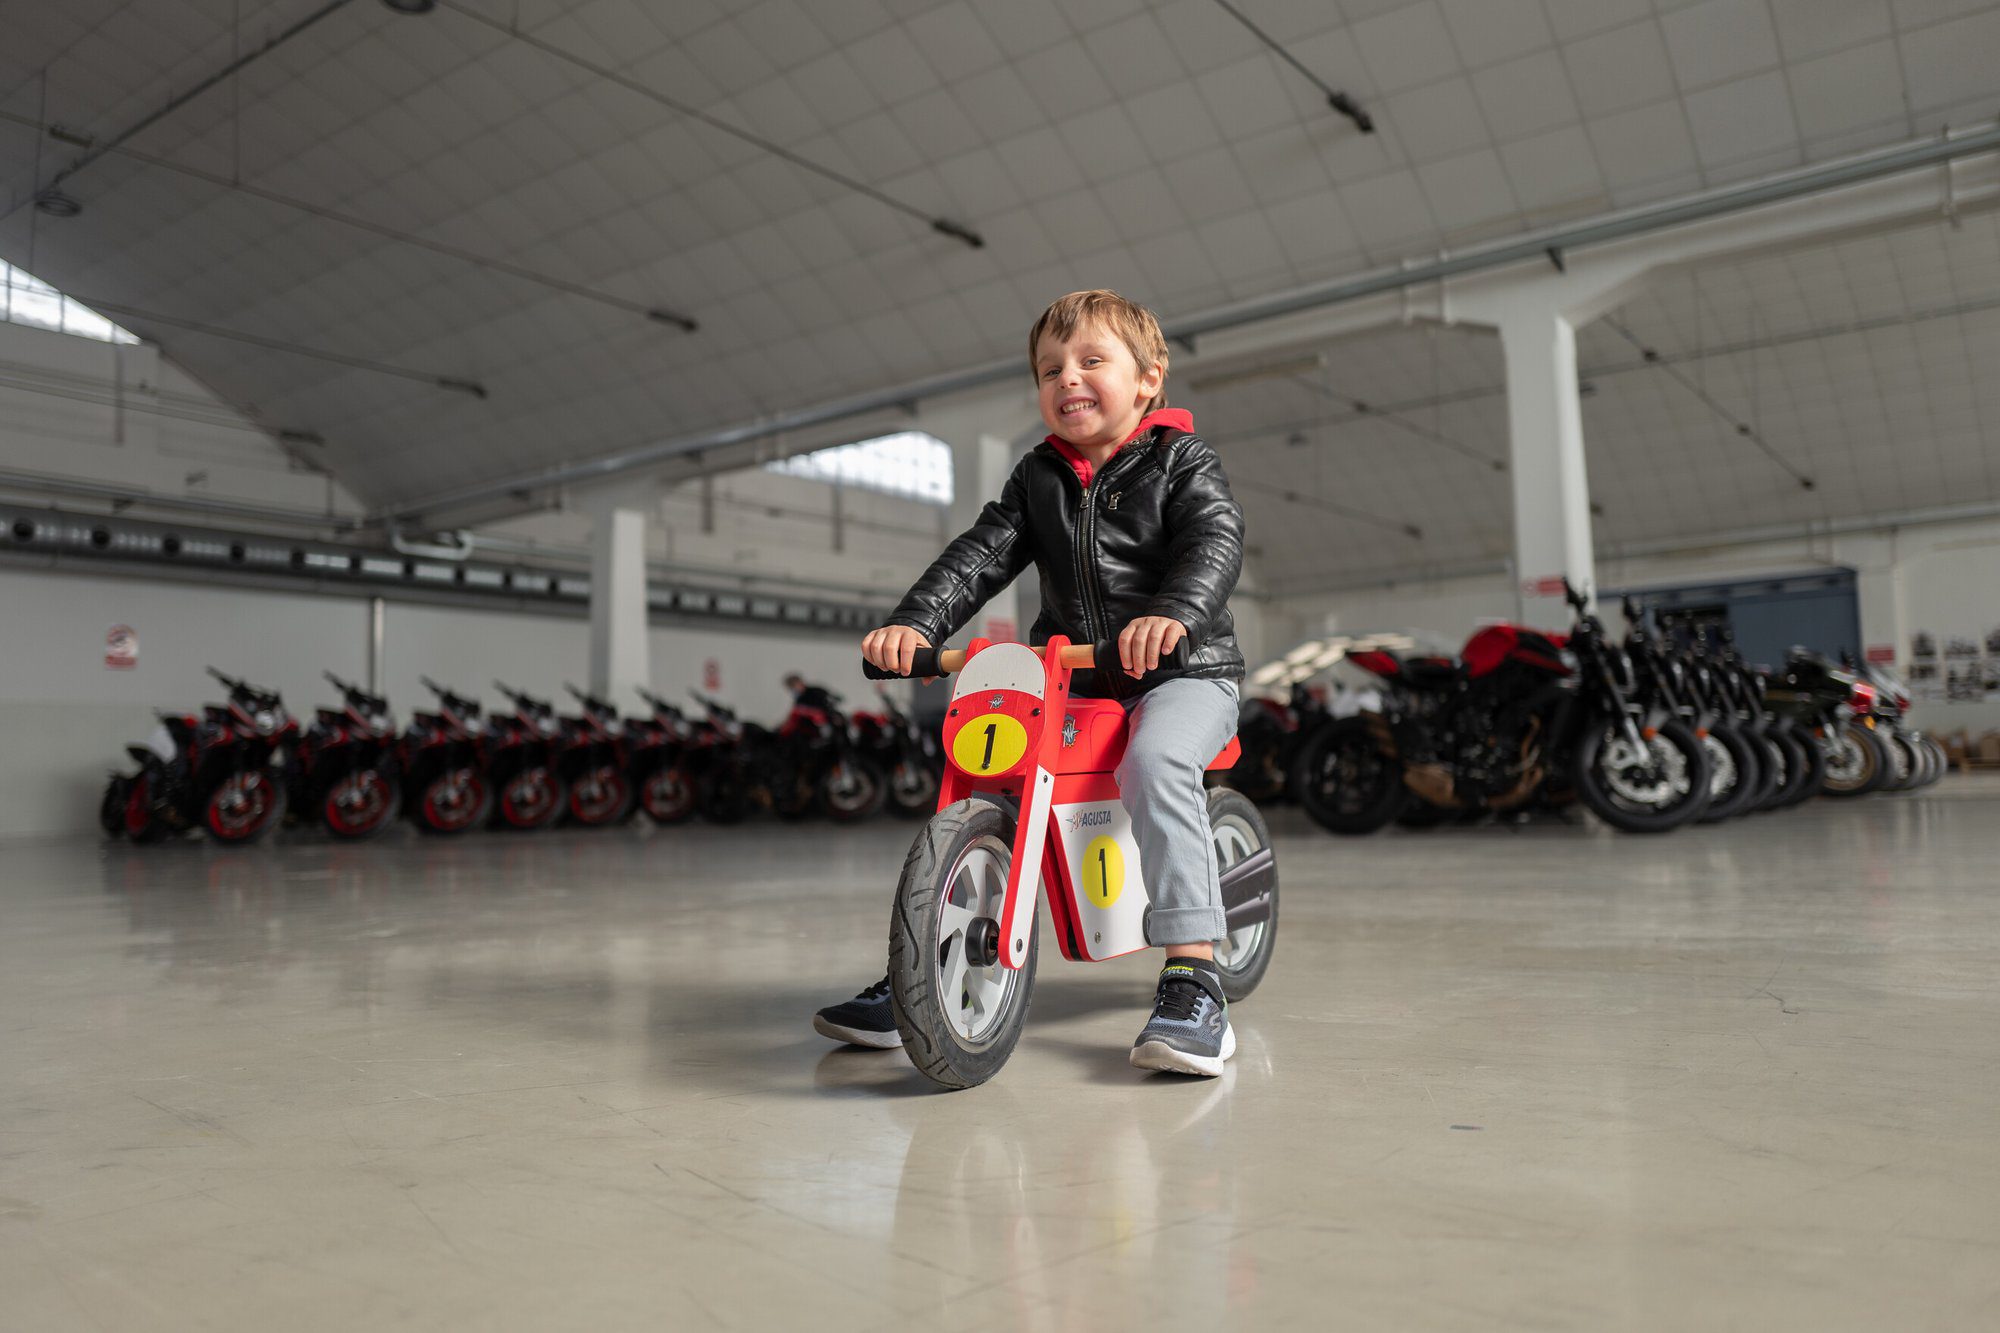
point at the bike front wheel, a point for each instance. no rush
(1657, 785)
(959, 1009)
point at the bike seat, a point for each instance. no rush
(1432, 673)
(1093, 739)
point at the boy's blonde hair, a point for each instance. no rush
(1131, 322)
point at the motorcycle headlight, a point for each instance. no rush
(1566, 657)
(267, 722)
(549, 726)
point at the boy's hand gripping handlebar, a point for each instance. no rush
(929, 662)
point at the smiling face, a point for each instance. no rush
(1092, 389)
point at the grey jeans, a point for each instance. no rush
(1174, 731)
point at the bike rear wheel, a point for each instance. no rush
(959, 1014)
(1347, 779)
(1237, 831)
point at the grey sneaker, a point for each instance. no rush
(866, 1020)
(1189, 1031)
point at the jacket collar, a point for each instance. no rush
(1174, 418)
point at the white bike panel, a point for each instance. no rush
(1121, 927)
(1004, 666)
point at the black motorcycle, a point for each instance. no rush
(1519, 717)
(591, 763)
(1832, 704)
(224, 771)
(1670, 683)
(662, 761)
(909, 757)
(521, 761)
(445, 787)
(348, 770)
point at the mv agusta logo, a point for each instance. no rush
(1069, 731)
(1084, 819)
(997, 701)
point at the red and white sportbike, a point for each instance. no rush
(1029, 805)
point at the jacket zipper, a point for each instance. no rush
(1087, 575)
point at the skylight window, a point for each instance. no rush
(26, 299)
(908, 463)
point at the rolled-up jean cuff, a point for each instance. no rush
(1184, 925)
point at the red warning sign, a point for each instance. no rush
(1548, 585)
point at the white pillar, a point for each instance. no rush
(1537, 318)
(1552, 537)
(618, 646)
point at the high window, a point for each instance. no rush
(26, 299)
(908, 463)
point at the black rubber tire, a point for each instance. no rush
(933, 1046)
(1815, 765)
(1940, 759)
(1856, 762)
(1747, 784)
(274, 812)
(558, 804)
(1594, 792)
(1233, 811)
(870, 789)
(1906, 769)
(392, 801)
(1346, 779)
(668, 795)
(912, 790)
(482, 809)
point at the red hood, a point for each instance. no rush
(1178, 418)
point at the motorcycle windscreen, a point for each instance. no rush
(1101, 877)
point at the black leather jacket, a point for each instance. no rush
(1157, 533)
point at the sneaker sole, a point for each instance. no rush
(1160, 1056)
(880, 1041)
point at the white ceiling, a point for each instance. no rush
(1865, 365)
(1153, 147)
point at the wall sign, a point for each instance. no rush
(121, 648)
(711, 675)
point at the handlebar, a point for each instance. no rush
(929, 662)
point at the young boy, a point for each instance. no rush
(1127, 517)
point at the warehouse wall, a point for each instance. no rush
(1944, 578)
(65, 717)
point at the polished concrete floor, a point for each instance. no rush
(1740, 1077)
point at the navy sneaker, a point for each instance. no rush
(1189, 1031)
(865, 1020)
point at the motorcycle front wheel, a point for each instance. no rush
(667, 796)
(852, 789)
(359, 804)
(1347, 780)
(453, 801)
(531, 799)
(1856, 762)
(959, 1014)
(243, 806)
(600, 797)
(1653, 788)
(1738, 778)
(913, 790)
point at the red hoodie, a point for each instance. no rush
(1176, 417)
